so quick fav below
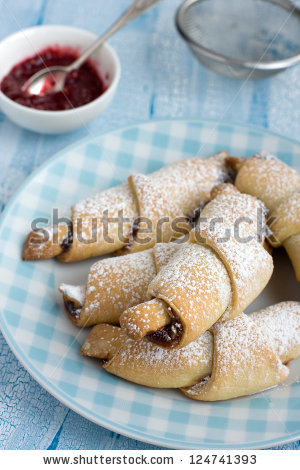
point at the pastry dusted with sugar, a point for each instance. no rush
(214, 276)
(238, 357)
(278, 186)
(113, 285)
(117, 219)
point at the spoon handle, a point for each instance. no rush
(136, 9)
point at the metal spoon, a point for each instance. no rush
(55, 75)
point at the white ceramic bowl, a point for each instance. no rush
(28, 42)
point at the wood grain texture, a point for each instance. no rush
(160, 78)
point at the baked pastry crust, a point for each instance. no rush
(217, 274)
(116, 220)
(113, 285)
(239, 356)
(278, 186)
(244, 362)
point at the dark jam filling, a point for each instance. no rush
(132, 235)
(194, 216)
(229, 176)
(72, 310)
(67, 242)
(170, 334)
(81, 86)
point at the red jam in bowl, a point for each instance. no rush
(81, 86)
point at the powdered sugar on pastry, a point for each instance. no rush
(119, 282)
(176, 190)
(195, 353)
(236, 342)
(242, 358)
(190, 181)
(244, 362)
(163, 252)
(75, 294)
(146, 363)
(280, 323)
(269, 179)
(278, 186)
(180, 280)
(185, 184)
(218, 272)
(146, 318)
(120, 197)
(236, 236)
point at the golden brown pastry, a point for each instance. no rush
(135, 215)
(113, 285)
(217, 274)
(244, 362)
(145, 363)
(237, 357)
(278, 186)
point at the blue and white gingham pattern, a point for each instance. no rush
(44, 340)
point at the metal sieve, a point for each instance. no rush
(242, 38)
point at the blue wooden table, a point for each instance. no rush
(160, 78)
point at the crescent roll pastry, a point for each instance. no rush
(135, 215)
(113, 285)
(244, 362)
(145, 363)
(215, 275)
(237, 357)
(278, 186)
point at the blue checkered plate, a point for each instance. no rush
(32, 316)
